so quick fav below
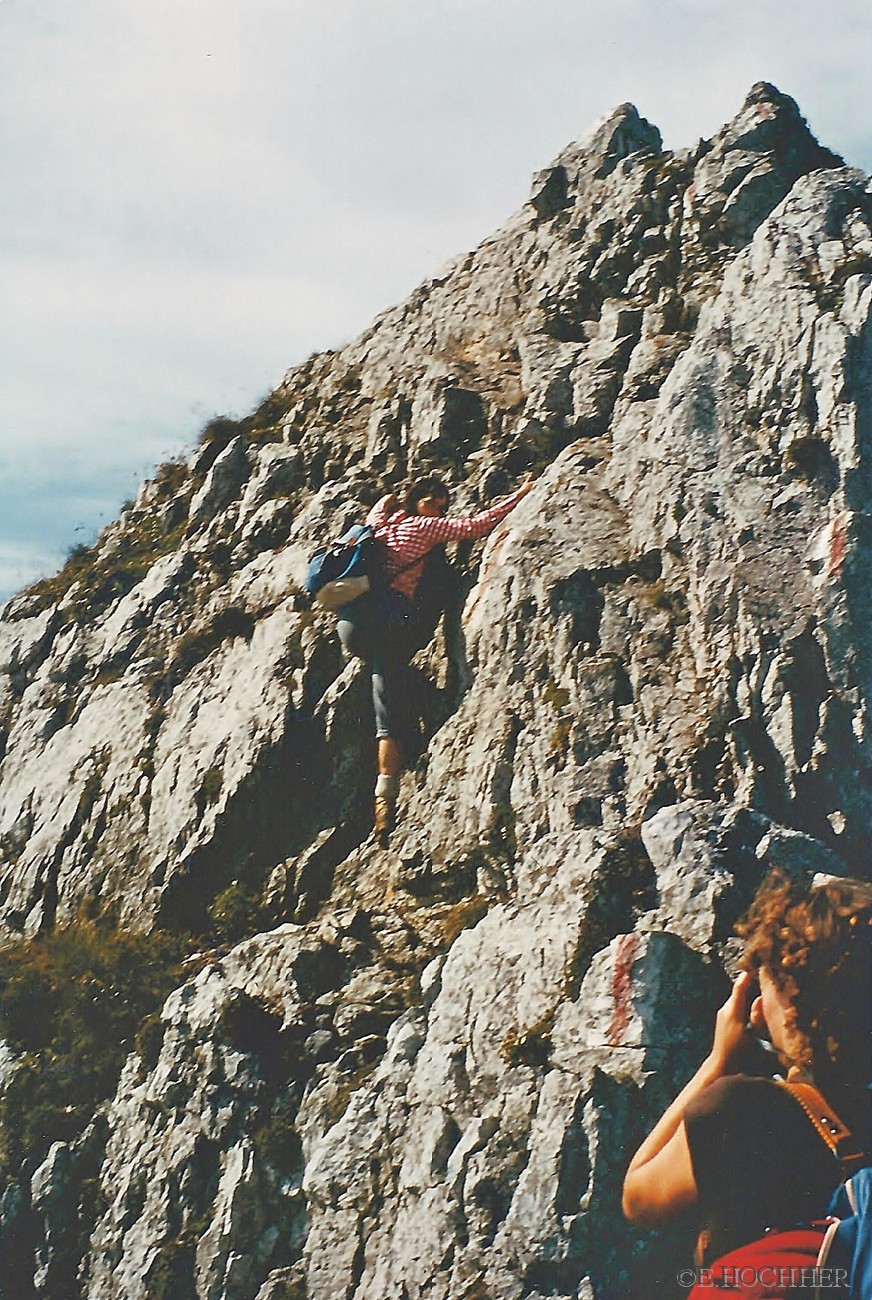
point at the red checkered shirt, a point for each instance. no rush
(407, 538)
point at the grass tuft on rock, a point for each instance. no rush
(71, 1006)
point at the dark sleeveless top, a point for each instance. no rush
(757, 1160)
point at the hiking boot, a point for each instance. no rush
(383, 821)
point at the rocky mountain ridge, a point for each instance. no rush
(422, 1070)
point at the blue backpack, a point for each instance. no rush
(344, 570)
(852, 1238)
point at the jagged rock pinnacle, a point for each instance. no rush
(421, 1069)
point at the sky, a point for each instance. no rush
(200, 193)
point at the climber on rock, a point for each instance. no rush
(384, 626)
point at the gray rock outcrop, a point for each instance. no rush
(422, 1071)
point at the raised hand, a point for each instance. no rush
(732, 1036)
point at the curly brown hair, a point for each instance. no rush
(815, 940)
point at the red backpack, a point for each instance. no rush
(796, 1263)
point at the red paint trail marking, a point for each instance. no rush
(622, 988)
(838, 545)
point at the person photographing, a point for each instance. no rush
(740, 1152)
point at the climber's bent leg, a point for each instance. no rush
(387, 687)
(378, 628)
(390, 757)
(391, 681)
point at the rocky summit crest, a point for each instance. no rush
(418, 1072)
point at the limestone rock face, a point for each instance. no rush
(423, 1070)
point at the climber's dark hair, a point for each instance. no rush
(431, 486)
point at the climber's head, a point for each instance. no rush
(427, 496)
(811, 946)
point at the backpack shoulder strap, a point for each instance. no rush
(834, 1132)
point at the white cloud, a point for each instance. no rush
(21, 564)
(202, 193)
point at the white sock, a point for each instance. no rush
(387, 787)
